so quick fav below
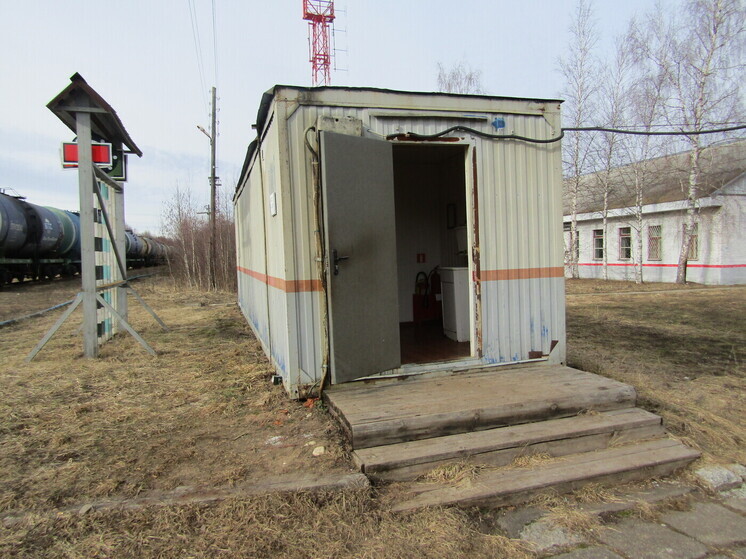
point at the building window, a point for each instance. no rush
(625, 243)
(654, 242)
(694, 246)
(567, 226)
(598, 244)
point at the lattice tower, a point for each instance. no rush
(320, 15)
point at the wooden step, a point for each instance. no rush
(378, 414)
(512, 486)
(498, 447)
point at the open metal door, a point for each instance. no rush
(358, 186)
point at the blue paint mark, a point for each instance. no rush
(502, 359)
(532, 326)
(515, 357)
(498, 123)
(490, 360)
(544, 332)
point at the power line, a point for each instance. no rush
(198, 49)
(413, 136)
(652, 133)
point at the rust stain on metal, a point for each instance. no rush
(552, 344)
(535, 355)
(475, 256)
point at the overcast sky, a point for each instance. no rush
(140, 56)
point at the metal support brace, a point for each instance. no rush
(103, 177)
(125, 324)
(53, 329)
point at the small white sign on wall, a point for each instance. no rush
(273, 204)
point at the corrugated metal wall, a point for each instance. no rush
(261, 259)
(520, 226)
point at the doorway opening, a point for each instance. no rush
(432, 252)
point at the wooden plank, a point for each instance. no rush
(186, 495)
(456, 446)
(500, 446)
(506, 487)
(499, 458)
(424, 426)
(468, 391)
(423, 408)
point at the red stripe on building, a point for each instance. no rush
(649, 265)
(288, 286)
(521, 273)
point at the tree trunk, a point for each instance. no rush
(605, 227)
(691, 206)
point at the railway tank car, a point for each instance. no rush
(38, 242)
(144, 251)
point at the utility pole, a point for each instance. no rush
(213, 224)
(211, 257)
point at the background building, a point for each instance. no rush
(718, 253)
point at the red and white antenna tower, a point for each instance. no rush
(319, 14)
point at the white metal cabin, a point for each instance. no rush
(338, 210)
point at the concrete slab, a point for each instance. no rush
(512, 522)
(589, 553)
(718, 478)
(736, 498)
(631, 500)
(738, 469)
(710, 524)
(544, 535)
(644, 540)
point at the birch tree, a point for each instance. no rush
(702, 69)
(705, 88)
(612, 112)
(580, 70)
(651, 47)
(460, 78)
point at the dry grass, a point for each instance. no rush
(574, 519)
(200, 413)
(595, 493)
(646, 511)
(531, 460)
(591, 286)
(682, 350)
(348, 524)
(454, 472)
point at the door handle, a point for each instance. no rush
(337, 259)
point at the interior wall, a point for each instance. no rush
(426, 180)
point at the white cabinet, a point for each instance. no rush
(455, 288)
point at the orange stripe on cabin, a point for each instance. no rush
(522, 273)
(288, 286)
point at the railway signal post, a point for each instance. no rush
(103, 266)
